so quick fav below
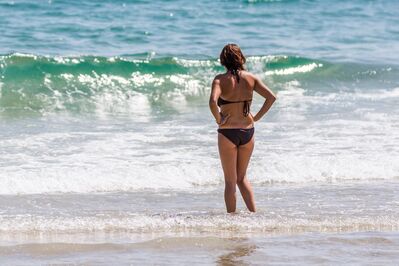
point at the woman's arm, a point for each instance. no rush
(269, 96)
(213, 99)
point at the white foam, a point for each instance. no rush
(195, 63)
(185, 156)
(266, 58)
(128, 103)
(186, 222)
(306, 137)
(187, 85)
(379, 95)
(67, 76)
(144, 79)
(266, 1)
(100, 162)
(293, 70)
(23, 55)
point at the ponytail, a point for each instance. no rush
(235, 73)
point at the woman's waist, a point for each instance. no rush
(237, 125)
(238, 122)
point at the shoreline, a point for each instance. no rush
(370, 247)
(282, 210)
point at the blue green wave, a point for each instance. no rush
(38, 84)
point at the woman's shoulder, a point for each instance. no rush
(220, 75)
(243, 73)
(249, 77)
(247, 73)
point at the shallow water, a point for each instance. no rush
(312, 224)
(309, 249)
(281, 209)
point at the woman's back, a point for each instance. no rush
(229, 103)
(233, 98)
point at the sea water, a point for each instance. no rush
(108, 150)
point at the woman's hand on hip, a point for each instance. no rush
(223, 119)
(254, 119)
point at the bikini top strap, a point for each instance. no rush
(243, 101)
(246, 108)
(223, 101)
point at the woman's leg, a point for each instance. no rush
(228, 157)
(243, 157)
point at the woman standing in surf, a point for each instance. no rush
(230, 102)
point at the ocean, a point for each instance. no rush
(108, 150)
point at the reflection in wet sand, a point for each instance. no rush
(234, 257)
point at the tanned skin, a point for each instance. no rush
(235, 159)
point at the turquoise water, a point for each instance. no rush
(107, 142)
(339, 30)
(46, 84)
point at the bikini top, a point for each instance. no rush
(221, 102)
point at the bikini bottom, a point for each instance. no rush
(238, 136)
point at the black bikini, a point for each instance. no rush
(238, 136)
(222, 101)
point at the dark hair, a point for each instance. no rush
(232, 58)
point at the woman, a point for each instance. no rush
(230, 102)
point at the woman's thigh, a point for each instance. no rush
(244, 153)
(228, 157)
